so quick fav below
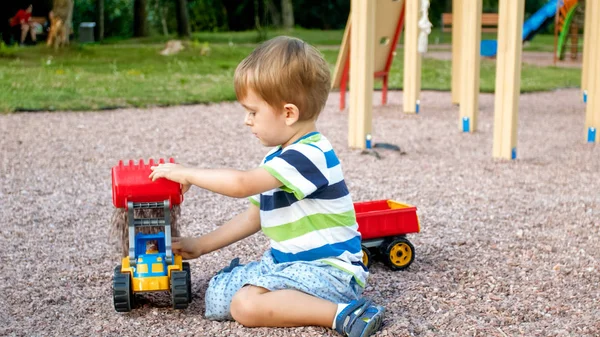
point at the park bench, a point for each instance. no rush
(43, 21)
(489, 22)
(41, 36)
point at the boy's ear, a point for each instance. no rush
(292, 113)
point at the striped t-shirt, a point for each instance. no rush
(311, 217)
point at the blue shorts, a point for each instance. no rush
(315, 278)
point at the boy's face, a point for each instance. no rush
(266, 123)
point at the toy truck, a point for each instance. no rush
(151, 264)
(383, 225)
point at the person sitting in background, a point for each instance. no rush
(23, 21)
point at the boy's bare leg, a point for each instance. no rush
(32, 32)
(256, 306)
(24, 30)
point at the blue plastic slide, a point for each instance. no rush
(530, 27)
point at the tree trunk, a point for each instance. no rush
(140, 22)
(183, 21)
(287, 12)
(275, 15)
(99, 20)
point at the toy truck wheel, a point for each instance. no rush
(400, 253)
(179, 289)
(122, 291)
(186, 268)
(366, 259)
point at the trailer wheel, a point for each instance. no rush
(400, 254)
(179, 289)
(122, 291)
(186, 268)
(366, 259)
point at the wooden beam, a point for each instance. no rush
(469, 65)
(587, 28)
(342, 56)
(592, 113)
(412, 58)
(508, 78)
(456, 50)
(361, 71)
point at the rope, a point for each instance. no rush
(424, 27)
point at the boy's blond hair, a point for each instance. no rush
(286, 70)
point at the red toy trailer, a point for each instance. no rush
(383, 225)
(151, 264)
(131, 183)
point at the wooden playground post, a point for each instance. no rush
(412, 58)
(587, 31)
(469, 66)
(456, 49)
(508, 78)
(592, 113)
(361, 74)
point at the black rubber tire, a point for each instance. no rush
(179, 290)
(122, 291)
(367, 257)
(186, 268)
(399, 254)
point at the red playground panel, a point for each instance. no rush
(132, 183)
(381, 218)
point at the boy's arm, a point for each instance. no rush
(239, 227)
(229, 182)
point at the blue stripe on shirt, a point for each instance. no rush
(282, 199)
(330, 157)
(305, 167)
(329, 250)
(272, 155)
(335, 191)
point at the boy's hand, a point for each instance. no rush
(188, 248)
(173, 172)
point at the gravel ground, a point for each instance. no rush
(507, 248)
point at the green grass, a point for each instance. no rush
(315, 37)
(540, 42)
(312, 36)
(110, 76)
(133, 73)
(437, 75)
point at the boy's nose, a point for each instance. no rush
(248, 120)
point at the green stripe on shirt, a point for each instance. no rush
(356, 278)
(254, 202)
(287, 186)
(311, 139)
(309, 224)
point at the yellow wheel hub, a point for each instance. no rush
(400, 254)
(365, 258)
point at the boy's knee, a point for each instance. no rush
(217, 305)
(245, 309)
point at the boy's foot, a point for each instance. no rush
(361, 318)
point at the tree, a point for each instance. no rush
(183, 21)
(161, 10)
(287, 12)
(140, 18)
(99, 20)
(275, 15)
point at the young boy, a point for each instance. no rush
(313, 274)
